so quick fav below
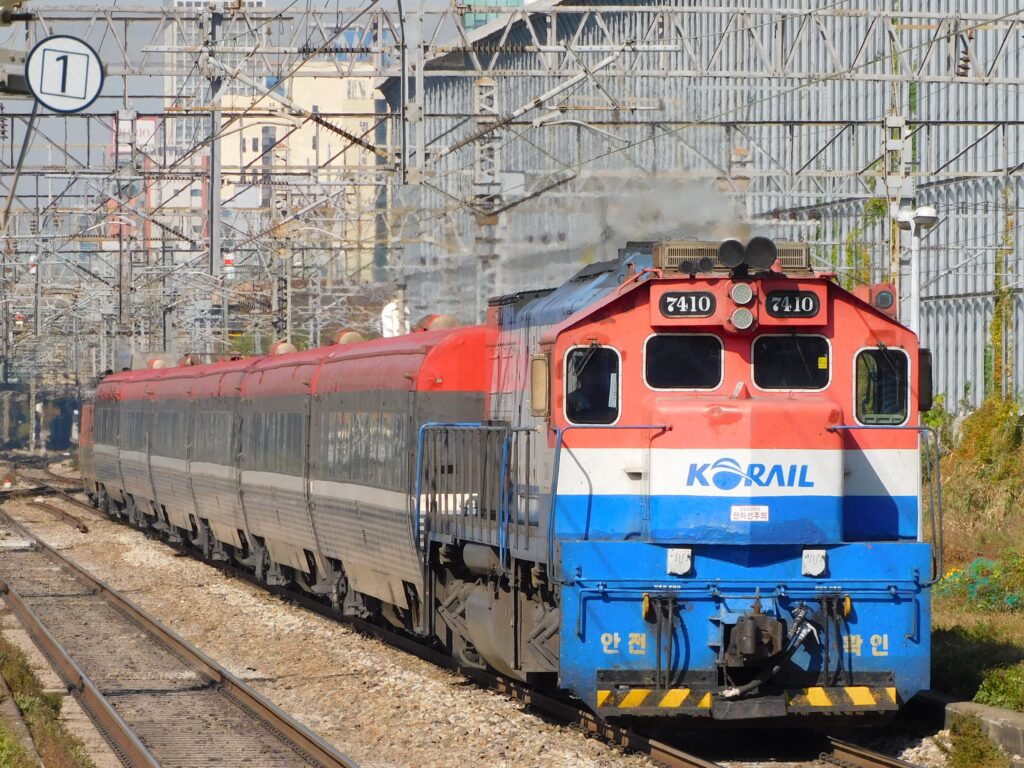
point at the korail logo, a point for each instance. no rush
(728, 474)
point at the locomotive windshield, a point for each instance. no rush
(592, 385)
(791, 362)
(676, 361)
(882, 379)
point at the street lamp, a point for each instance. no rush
(916, 222)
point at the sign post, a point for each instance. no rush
(64, 73)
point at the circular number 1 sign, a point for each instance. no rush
(64, 73)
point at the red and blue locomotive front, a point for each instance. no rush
(736, 514)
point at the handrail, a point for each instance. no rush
(504, 514)
(420, 541)
(559, 439)
(504, 502)
(934, 479)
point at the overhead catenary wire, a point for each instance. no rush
(454, 206)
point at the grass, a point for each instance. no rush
(970, 747)
(12, 752)
(978, 609)
(983, 482)
(56, 746)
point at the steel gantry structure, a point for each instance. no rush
(179, 212)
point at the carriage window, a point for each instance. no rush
(882, 378)
(592, 385)
(791, 362)
(683, 362)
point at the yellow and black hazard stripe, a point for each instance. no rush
(653, 698)
(851, 698)
(854, 698)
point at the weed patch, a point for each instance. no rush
(12, 753)
(985, 585)
(983, 482)
(970, 747)
(56, 746)
(1003, 687)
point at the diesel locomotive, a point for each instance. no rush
(685, 484)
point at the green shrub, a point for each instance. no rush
(970, 747)
(1003, 687)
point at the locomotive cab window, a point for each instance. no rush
(683, 361)
(791, 362)
(883, 377)
(592, 385)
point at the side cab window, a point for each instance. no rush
(592, 385)
(882, 386)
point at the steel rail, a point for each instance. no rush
(621, 736)
(66, 496)
(291, 729)
(48, 478)
(60, 514)
(123, 738)
(61, 479)
(849, 755)
(8, 494)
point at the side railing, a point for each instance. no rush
(473, 483)
(934, 487)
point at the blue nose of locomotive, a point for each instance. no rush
(717, 581)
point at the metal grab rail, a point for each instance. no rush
(934, 482)
(559, 440)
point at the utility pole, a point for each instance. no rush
(75, 361)
(124, 278)
(32, 414)
(916, 222)
(7, 416)
(288, 298)
(213, 194)
(37, 320)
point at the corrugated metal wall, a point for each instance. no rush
(751, 117)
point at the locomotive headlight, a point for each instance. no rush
(742, 319)
(742, 293)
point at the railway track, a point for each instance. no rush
(847, 755)
(60, 514)
(45, 476)
(158, 700)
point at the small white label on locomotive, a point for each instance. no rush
(680, 561)
(749, 513)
